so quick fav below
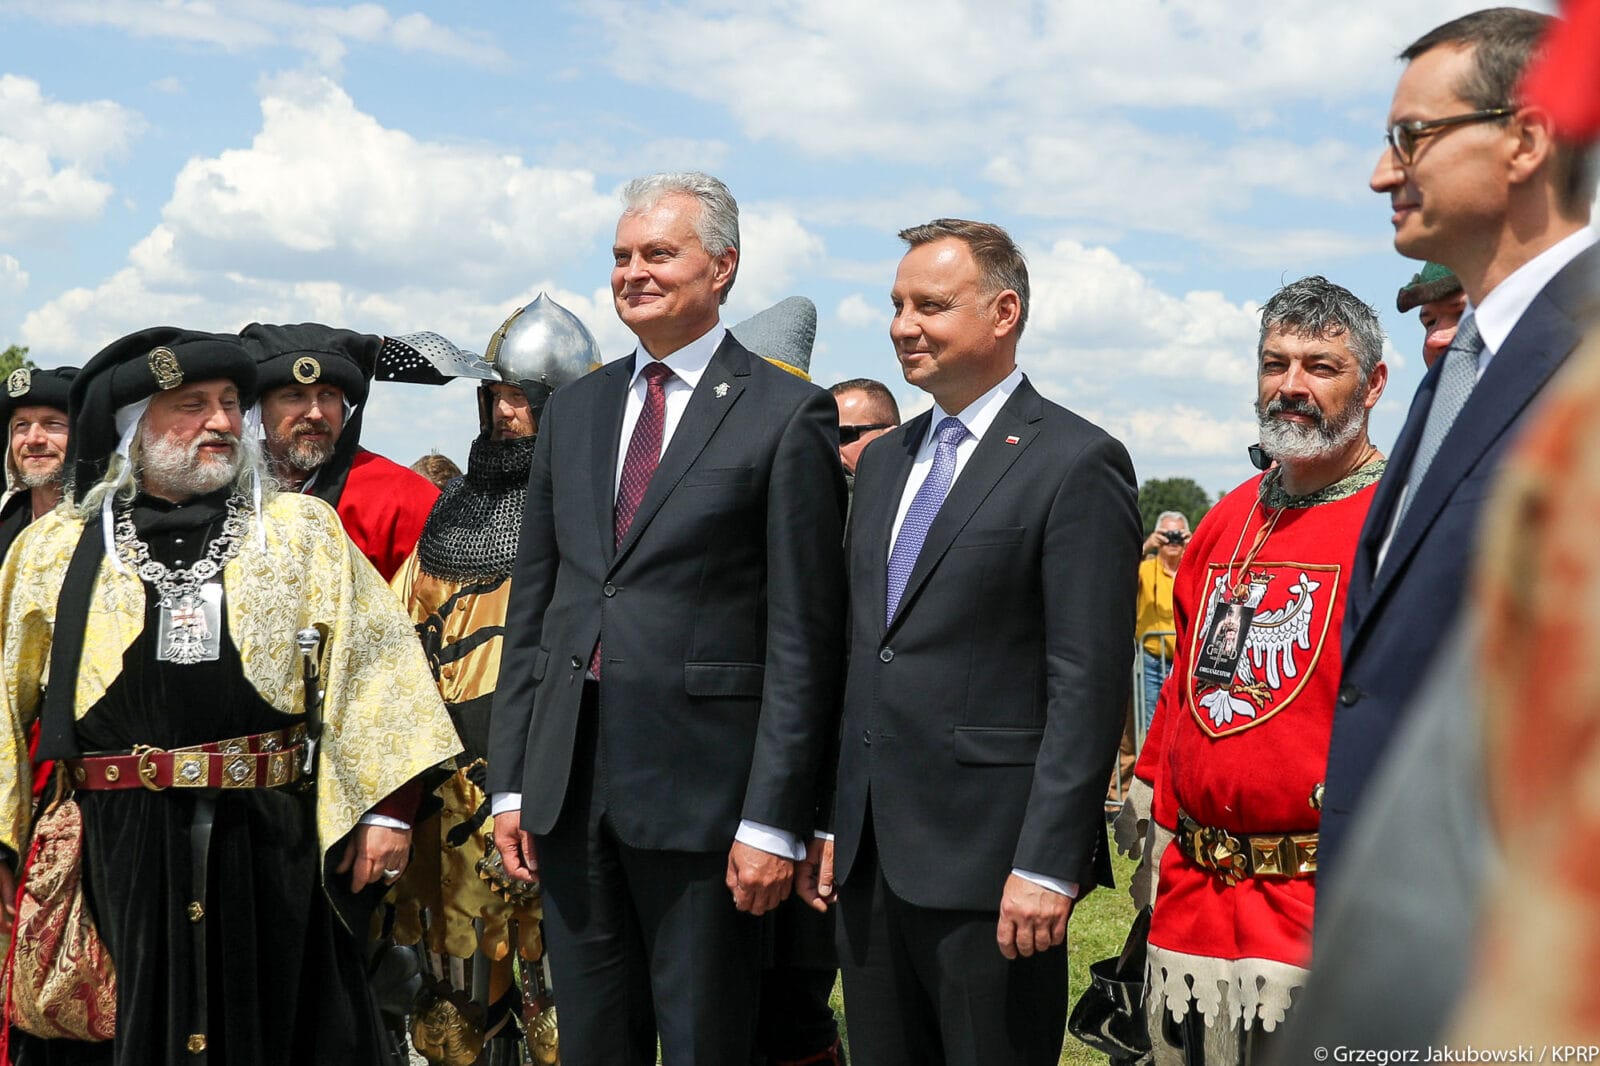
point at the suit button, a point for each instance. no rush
(887, 655)
(1349, 696)
(866, 737)
(610, 589)
(577, 663)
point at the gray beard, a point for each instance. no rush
(1289, 442)
(179, 468)
(40, 479)
(304, 455)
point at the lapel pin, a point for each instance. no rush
(721, 390)
(1013, 440)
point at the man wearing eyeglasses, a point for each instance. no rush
(1479, 183)
(866, 412)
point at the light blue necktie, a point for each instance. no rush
(1456, 379)
(924, 507)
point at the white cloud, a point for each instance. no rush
(13, 279)
(50, 154)
(855, 310)
(326, 190)
(324, 33)
(777, 254)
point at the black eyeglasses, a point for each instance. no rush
(851, 434)
(1403, 136)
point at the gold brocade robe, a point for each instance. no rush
(384, 721)
(444, 880)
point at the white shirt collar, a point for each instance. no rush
(688, 362)
(1508, 301)
(980, 414)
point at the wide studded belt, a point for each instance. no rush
(1233, 857)
(261, 760)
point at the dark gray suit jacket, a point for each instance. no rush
(982, 721)
(1394, 618)
(721, 611)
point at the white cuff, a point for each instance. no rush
(385, 821)
(773, 841)
(1066, 888)
(501, 802)
(818, 834)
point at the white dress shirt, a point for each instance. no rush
(1501, 310)
(688, 365)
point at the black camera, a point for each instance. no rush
(1175, 536)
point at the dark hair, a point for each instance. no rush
(877, 390)
(1000, 262)
(439, 469)
(1316, 307)
(1503, 42)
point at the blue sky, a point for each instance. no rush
(391, 168)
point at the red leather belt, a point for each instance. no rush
(262, 760)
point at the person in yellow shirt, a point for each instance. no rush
(1155, 608)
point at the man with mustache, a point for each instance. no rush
(34, 410)
(314, 384)
(164, 603)
(1236, 752)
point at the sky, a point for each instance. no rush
(1165, 165)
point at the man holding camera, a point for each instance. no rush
(1155, 606)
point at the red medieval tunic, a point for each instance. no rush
(384, 507)
(1246, 758)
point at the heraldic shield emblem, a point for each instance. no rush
(1270, 642)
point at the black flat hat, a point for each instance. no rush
(137, 367)
(309, 353)
(30, 387)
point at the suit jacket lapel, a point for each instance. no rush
(607, 429)
(730, 366)
(1533, 352)
(993, 457)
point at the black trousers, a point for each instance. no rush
(926, 987)
(642, 942)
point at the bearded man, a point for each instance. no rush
(314, 384)
(166, 606)
(1236, 754)
(34, 410)
(456, 585)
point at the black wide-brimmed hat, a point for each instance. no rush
(306, 354)
(29, 386)
(135, 368)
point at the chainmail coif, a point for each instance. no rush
(472, 529)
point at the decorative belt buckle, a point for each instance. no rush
(146, 768)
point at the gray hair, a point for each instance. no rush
(717, 225)
(1179, 515)
(1316, 307)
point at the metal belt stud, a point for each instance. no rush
(196, 1043)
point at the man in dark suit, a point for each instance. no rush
(1478, 183)
(992, 550)
(672, 653)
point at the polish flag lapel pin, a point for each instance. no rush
(1013, 440)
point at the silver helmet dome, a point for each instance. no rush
(540, 348)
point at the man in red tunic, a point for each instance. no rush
(314, 382)
(1236, 753)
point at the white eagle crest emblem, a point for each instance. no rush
(1292, 605)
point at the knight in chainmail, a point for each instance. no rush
(456, 899)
